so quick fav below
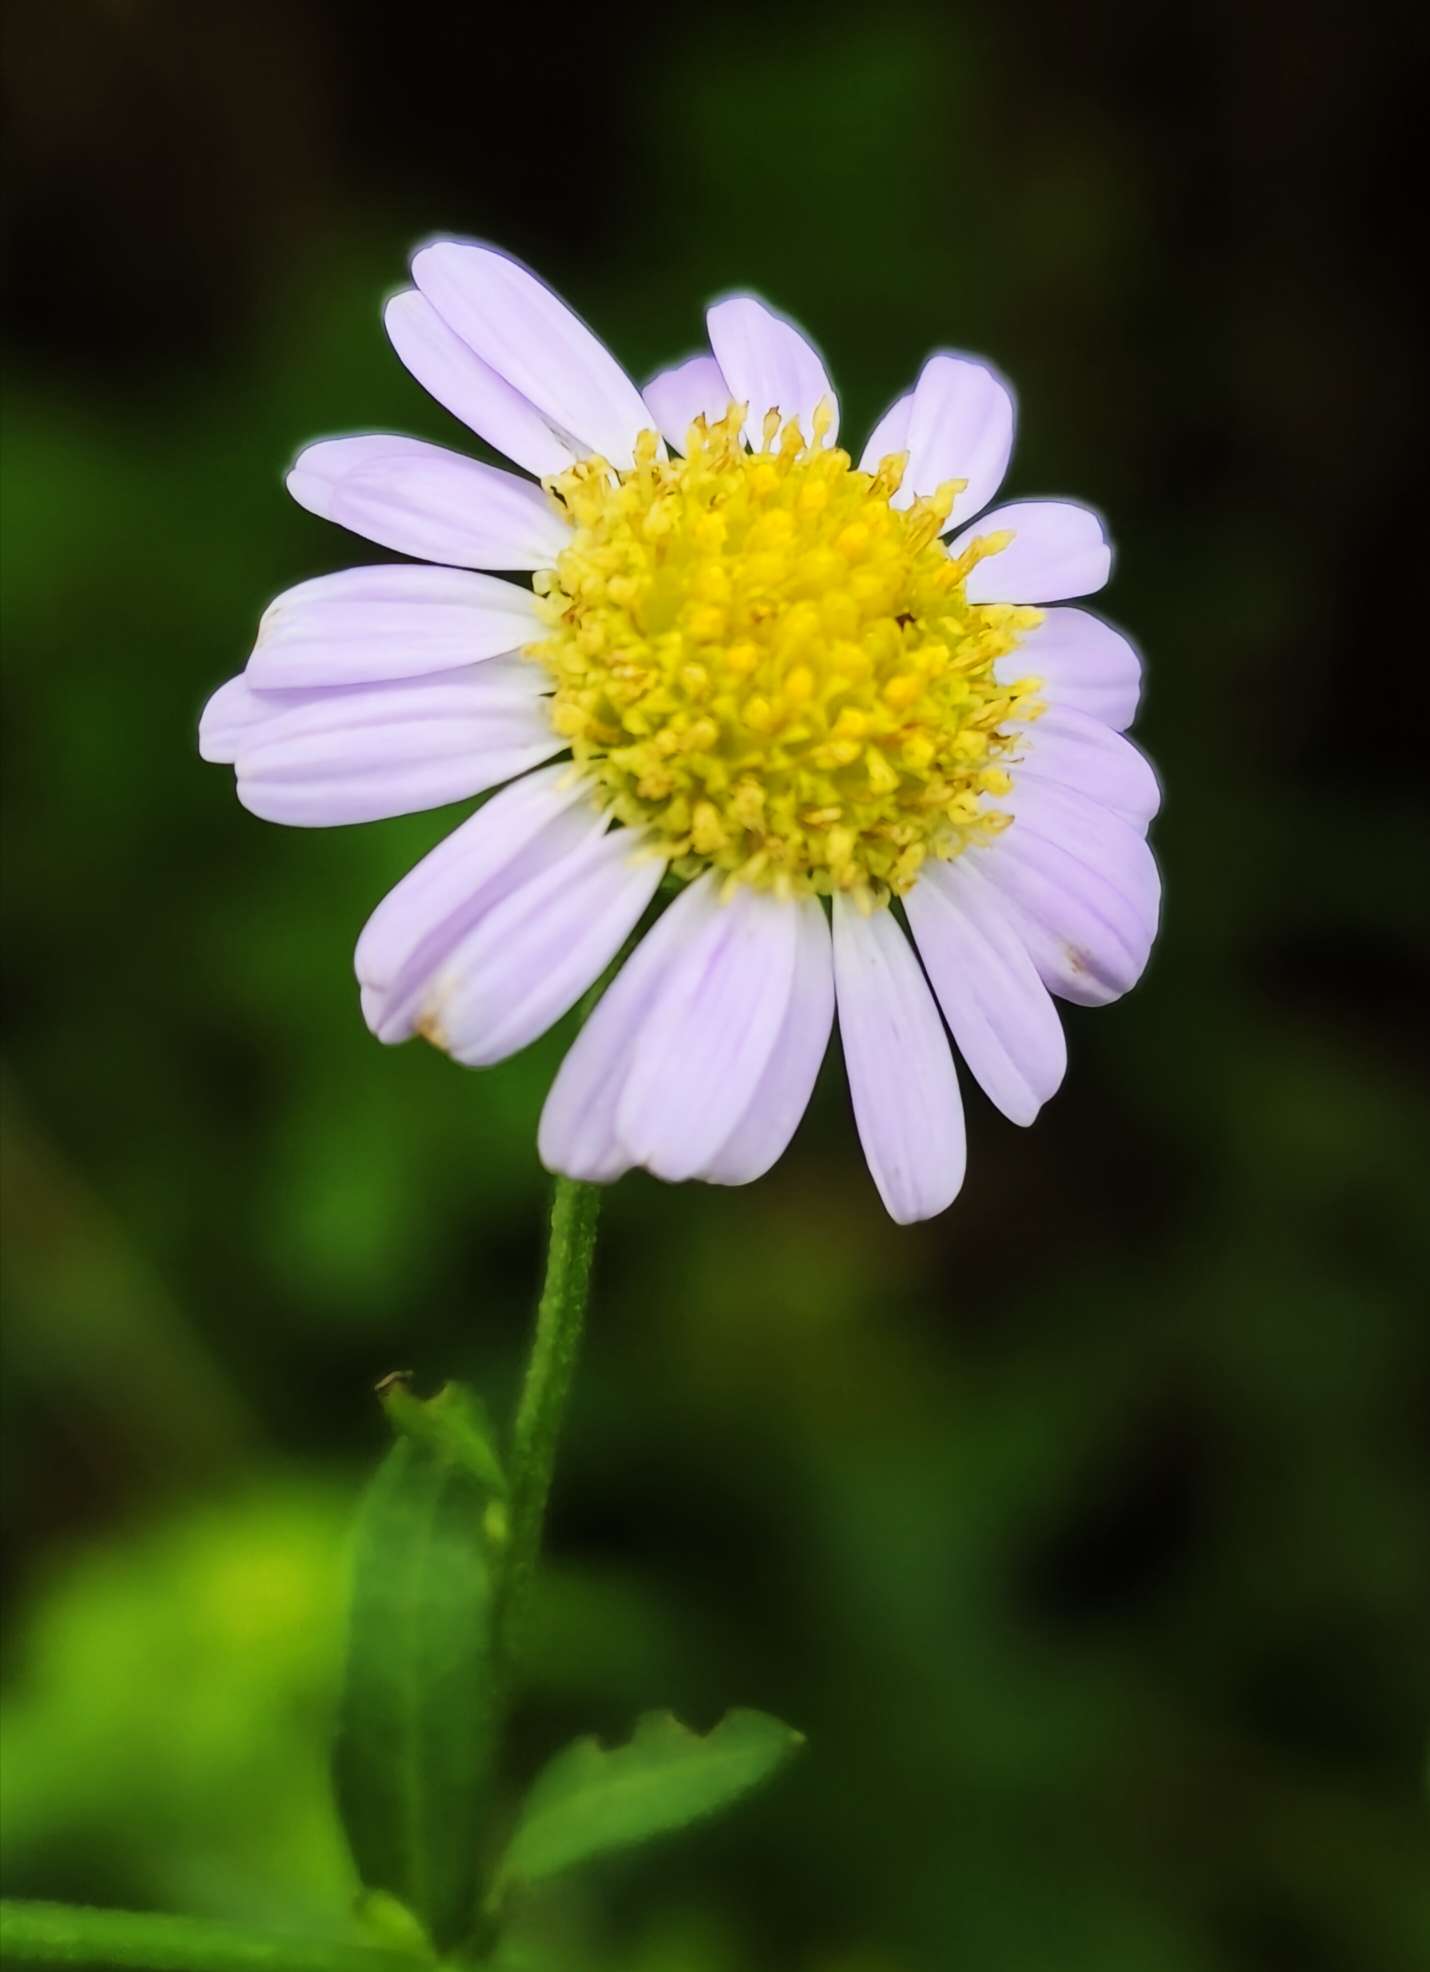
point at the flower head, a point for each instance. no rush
(772, 670)
(743, 663)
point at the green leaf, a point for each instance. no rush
(412, 1762)
(590, 1800)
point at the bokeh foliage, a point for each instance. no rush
(1083, 1531)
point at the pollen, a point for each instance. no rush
(772, 671)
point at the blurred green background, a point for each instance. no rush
(1083, 1530)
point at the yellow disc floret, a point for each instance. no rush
(772, 670)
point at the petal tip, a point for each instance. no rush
(309, 489)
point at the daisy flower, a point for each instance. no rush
(850, 726)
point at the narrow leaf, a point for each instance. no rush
(590, 1800)
(413, 1755)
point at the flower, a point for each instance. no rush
(746, 670)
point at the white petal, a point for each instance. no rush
(577, 1135)
(763, 1133)
(471, 389)
(518, 833)
(1084, 663)
(366, 752)
(901, 1073)
(1078, 752)
(677, 397)
(998, 1010)
(363, 625)
(706, 1043)
(528, 335)
(768, 365)
(956, 423)
(534, 954)
(424, 501)
(1088, 929)
(1058, 550)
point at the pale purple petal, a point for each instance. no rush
(534, 954)
(471, 389)
(240, 711)
(706, 1043)
(366, 752)
(890, 435)
(233, 710)
(1086, 829)
(677, 397)
(1058, 550)
(401, 620)
(998, 1010)
(519, 832)
(1082, 753)
(782, 1096)
(958, 424)
(1084, 662)
(577, 1135)
(424, 501)
(768, 365)
(528, 335)
(1088, 929)
(901, 1073)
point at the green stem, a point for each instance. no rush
(560, 1318)
(108, 1940)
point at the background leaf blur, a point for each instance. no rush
(1083, 1530)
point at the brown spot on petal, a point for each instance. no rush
(431, 1029)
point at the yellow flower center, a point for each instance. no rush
(772, 670)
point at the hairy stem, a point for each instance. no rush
(560, 1319)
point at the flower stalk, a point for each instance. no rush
(560, 1323)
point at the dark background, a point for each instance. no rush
(1082, 1530)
